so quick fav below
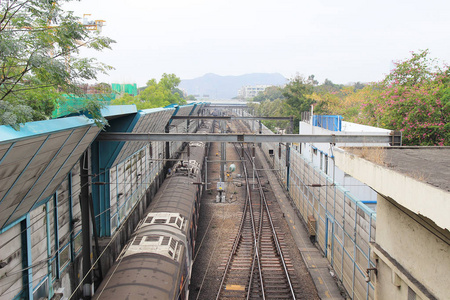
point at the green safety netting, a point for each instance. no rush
(130, 89)
(72, 104)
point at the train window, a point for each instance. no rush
(165, 241)
(137, 240)
(173, 243)
(152, 238)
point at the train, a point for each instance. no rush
(156, 262)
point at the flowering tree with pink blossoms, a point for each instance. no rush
(415, 99)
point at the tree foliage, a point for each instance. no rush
(297, 94)
(156, 94)
(415, 99)
(271, 93)
(39, 44)
(275, 108)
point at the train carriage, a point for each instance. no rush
(157, 261)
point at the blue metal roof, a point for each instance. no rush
(35, 160)
(32, 129)
(118, 110)
(146, 120)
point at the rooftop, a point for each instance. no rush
(426, 164)
(415, 177)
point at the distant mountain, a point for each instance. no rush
(214, 86)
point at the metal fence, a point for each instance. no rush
(344, 226)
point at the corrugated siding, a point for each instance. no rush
(11, 274)
(130, 179)
(35, 167)
(148, 122)
(76, 208)
(39, 244)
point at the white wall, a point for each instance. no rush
(423, 254)
(356, 187)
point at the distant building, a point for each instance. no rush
(92, 89)
(121, 89)
(250, 91)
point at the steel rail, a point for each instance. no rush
(257, 238)
(237, 238)
(275, 237)
(257, 246)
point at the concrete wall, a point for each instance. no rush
(412, 244)
(422, 254)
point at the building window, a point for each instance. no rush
(326, 164)
(321, 161)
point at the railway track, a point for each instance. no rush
(257, 266)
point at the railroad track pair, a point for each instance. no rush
(257, 267)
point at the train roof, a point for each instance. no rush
(176, 195)
(132, 279)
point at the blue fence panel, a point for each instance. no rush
(333, 123)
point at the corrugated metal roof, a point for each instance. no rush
(35, 160)
(184, 110)
(148, 120)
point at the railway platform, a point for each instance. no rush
(318, 266)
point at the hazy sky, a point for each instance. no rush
(344, 41)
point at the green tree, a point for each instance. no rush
(413, 98)
(39, 43)
(155, 94)
(298, 97)
(328, 87)
(271, 93)
(269, 108)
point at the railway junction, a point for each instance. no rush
(271, 216)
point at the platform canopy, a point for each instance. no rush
(36, 159)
